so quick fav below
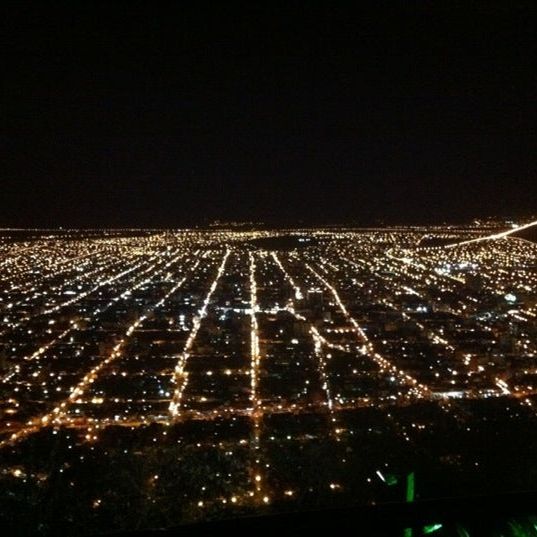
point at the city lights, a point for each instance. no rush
(267, 370)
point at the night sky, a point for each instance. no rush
(163, 115)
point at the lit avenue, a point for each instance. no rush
(154, 378)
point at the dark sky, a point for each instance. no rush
(175, 114)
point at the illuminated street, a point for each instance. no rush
(174, 376)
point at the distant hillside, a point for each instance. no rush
(530, 234)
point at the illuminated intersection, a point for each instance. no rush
(154, 378)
